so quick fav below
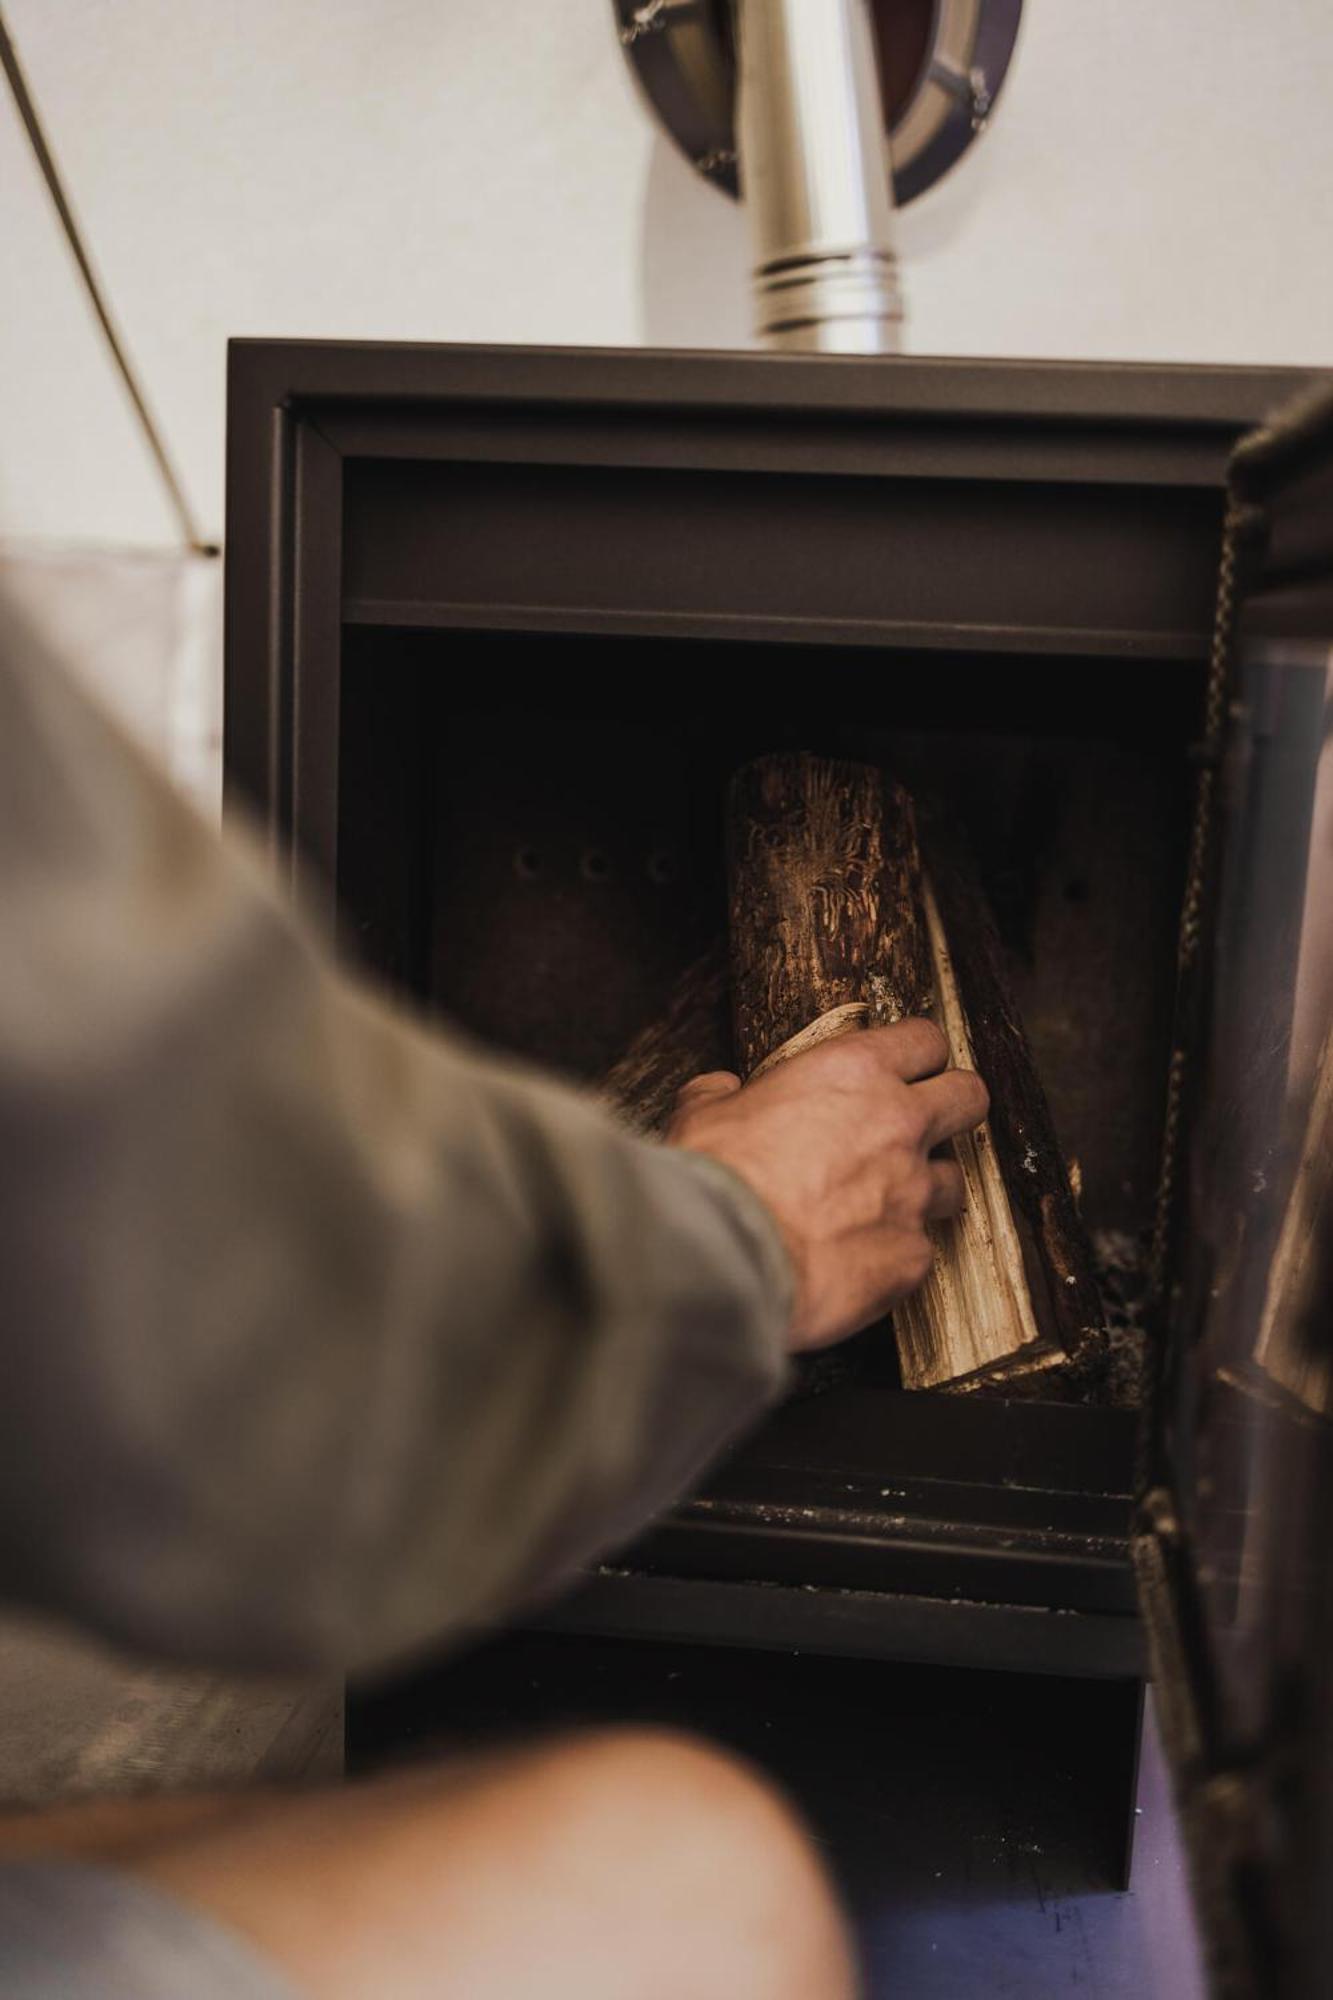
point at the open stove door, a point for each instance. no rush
(1235, 1553)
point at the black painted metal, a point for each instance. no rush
(1235, 1577)
(1017, 512)
(855, 1624)
(975, 1501)
(1013, 1786)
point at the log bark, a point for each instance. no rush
(692, 1036)
(827, 930)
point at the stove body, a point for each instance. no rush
(501, 622)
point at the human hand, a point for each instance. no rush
(839, 1145)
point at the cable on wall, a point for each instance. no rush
(32, 125)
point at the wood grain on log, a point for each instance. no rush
(974, 1312)
(1057, 1259)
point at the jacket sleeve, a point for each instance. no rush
(325, 1334)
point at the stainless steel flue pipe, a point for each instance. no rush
(815, 176)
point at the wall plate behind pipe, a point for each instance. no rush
(942, 65)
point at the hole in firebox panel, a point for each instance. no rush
(540, 865)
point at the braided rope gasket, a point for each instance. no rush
(1220, 658)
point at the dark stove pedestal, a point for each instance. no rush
(923, 1784)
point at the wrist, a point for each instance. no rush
(760, 1225)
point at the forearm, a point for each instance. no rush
(330, 1335)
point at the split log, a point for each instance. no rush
(834, 927)
(973, 1315)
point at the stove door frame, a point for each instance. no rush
(1256, 1789)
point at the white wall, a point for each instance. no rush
(1158, 184)
(143, 630)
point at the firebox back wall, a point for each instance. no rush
(530, 837)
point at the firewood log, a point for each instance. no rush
(692, 1035)
(835, 927)
(1057, 1257)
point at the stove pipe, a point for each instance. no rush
(815, 175)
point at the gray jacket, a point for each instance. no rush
(324, 1334)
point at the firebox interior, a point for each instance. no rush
(530, 838)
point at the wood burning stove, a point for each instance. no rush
(501, 623)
